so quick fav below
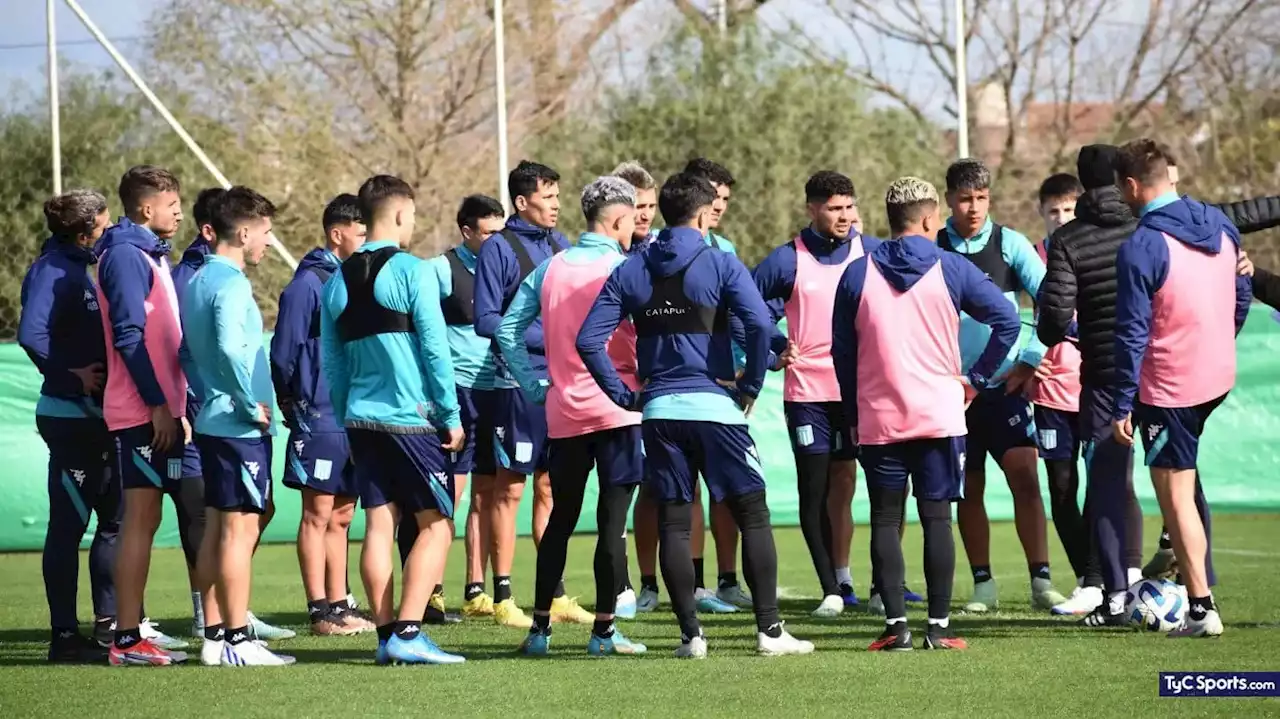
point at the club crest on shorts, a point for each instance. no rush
(1049, 438)
(175, 468)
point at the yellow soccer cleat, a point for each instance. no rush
(566, 609)
(506, 613)
(481, 605)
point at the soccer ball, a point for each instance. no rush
(1157, 605)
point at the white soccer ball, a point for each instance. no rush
(1157, 605)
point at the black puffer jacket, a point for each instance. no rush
(1256, 215)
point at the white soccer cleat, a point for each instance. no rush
(695, 648)
(211, 652)
(252, 654)
(985, 598)
(1083, 600)
(625, 608)
(832, 606)
(648, 600)
(782, 645)
(1210, 626)
(875, 605)
(149, 630)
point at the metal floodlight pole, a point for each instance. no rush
(55, 128)
(722, 17)
(172, 121)
(962, 84)
(500, 81)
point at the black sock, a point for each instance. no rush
(501, 589)
(773, 631)
(473, 590)
(317, 609)
(1200, 606)
(1039, 570)
(408, 631)
(698, 581)
(438, 590)
(237, 636)
(215, 632)
(649, 581)
(385, 631)
(542, 622)
(126, 638)
(559, 590)
(981, 574)
(1166, 542)
(727, 579)
(602, 628)
(339, 607)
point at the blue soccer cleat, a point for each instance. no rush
(616, 644)
(709, 603)
(849, 596)
(380, 657)
(419, 650)
(911, 596)
(535, 644)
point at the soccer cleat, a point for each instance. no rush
(72, 647)
(875, 605)
(259, 629)
(1044, 596)
(356, 622)
(535, 644)
(896, 638)
(734, 595)
(1163, 565)
(145, 654)
(149, 630)
(419, 650)
(781, 645)
(380, 657)
(333, 625)
(939, 637)
(647, 601)
(481, 605)
(910, 596)
(695, 648)
(1103, 617)
(506, 613)
(567, 610)
(832, 606)
(848, 596)
(709, 603)
(437, 613)
(626, 605)
(252, 654)
(104, 631)
(1210, 626)
(211, 651)
(985, 598)
(616, 644)
(1082, 601)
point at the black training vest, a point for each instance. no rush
(363, 316)
(459, 307)
(526, 263)
(990, 259)
(323, 275)
(669, 310)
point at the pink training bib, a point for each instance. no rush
(812, 376)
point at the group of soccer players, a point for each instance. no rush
(633, 353)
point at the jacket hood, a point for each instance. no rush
(1192, 223)
(903, 262)
(196, 251)
(126, 232)
(57, 246)
(318, 258)
(529, 231)
(673, 250)
(1103, 207)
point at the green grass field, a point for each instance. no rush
(1020, 663)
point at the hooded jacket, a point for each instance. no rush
(296, 368)
(192, 259)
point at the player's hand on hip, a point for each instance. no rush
(164, 428)
(969, 392)
(91, 377)
(186, 431)
(263, 419)
(1244, 265)
(1122, 429)
(1018, 378)
(456, 437)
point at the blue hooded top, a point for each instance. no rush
(680, 371)
(192, 259)
(296, 370)
(61, 327)
(1142, 265)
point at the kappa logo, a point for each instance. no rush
(501, 433)
(298, 446)
(960, 457)
(253, 468)
(90, 301)
(144, 452)
(78, 475)
(238, 637)
(1153, 431)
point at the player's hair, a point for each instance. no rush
(605, 192)
(713, 172)
(824, 185)
(528, 176)
(681, 197)
(236, 207)
(633, 172)
(968, 174)
(1144, 160)
(341, 210)
(378, 190)
(475, 208)
(200, 211)
(1062, 186)
(143, 181)
(73, 213)
(907, 201)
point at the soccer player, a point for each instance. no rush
(1180, 304)
(1000, 418)
(1055, 395)
(799, 278)
(520, 427)
(318, 457)
(61, 331)
(586, 429)
(895, 342)
(234, 428)
(386, 359)
(144, 400)
(679, 293)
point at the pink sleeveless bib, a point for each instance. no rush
(812, 377)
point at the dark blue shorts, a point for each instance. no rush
(617, 455)
(1171, 437)
(141, 467)
(936, 467)
(237, 472)
(519, 432)
(676, 451)
(409, 470)
(321, 463)
(997, 423)
(191, 453)
(476, 455)
(820, 428)
(1057, 434)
